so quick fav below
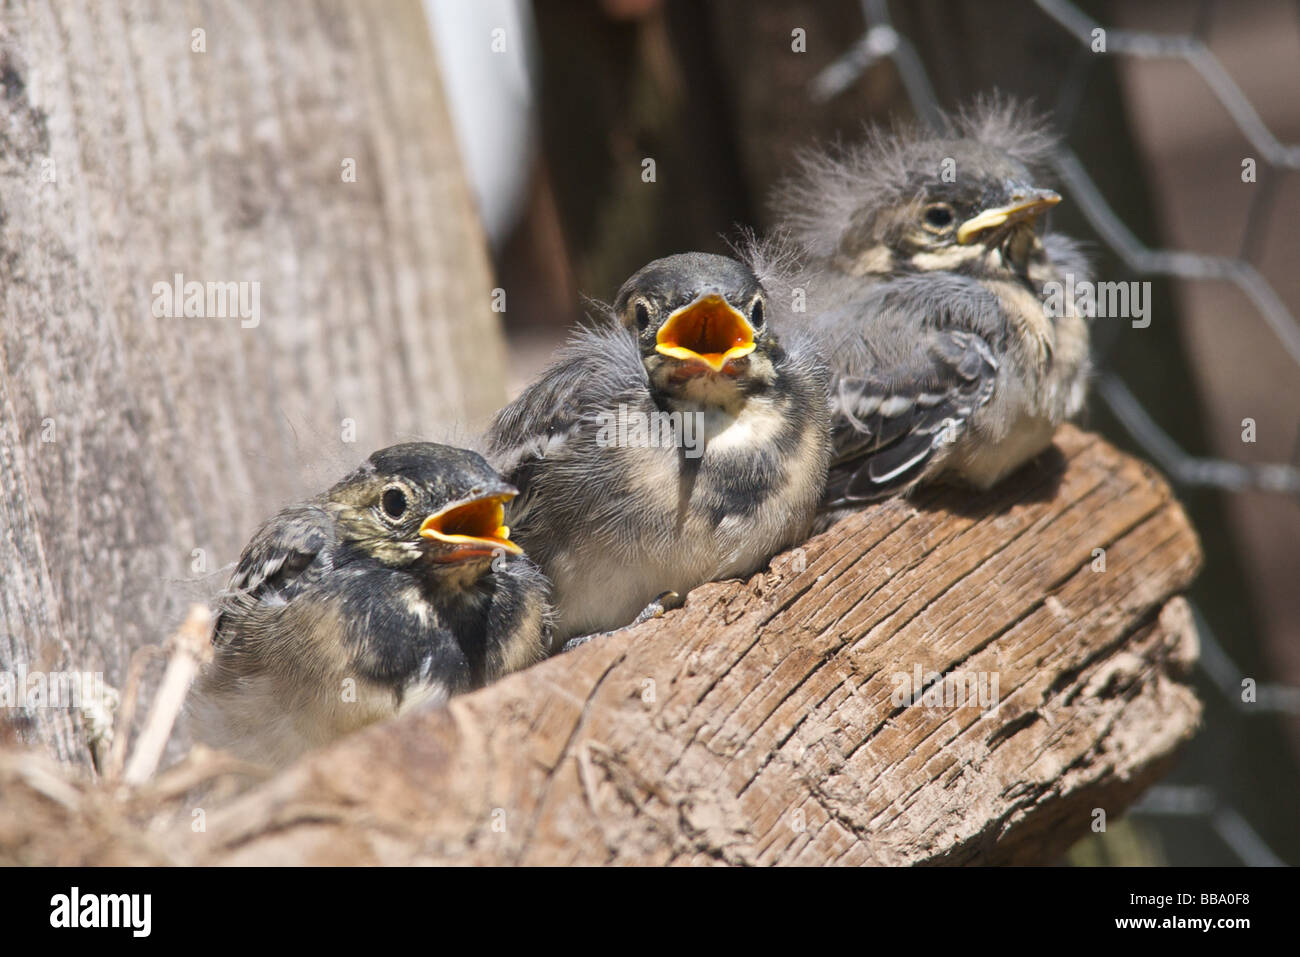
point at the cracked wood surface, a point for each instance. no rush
(758, 724)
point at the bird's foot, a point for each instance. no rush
(663, 603)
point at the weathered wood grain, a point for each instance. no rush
(138, 452)
(756, 725)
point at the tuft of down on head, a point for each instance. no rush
(774, 260)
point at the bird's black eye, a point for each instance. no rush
(757, 313)
(938, 217)
(642, 312)
(393, 502)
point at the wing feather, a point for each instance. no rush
(890, 424)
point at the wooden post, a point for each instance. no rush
(300, 151)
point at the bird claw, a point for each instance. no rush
(656, 609)
(662, 603)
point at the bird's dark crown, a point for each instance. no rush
(443, 473)
(961, 170)
(675, 281)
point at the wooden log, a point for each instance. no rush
(302, 147)
(759, 723)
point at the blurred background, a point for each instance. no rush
(1161, 115)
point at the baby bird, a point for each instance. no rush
(676, 443)
(938, 302)
(399, 585)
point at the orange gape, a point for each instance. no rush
(710, 330)
(476, 526)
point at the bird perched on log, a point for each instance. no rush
(399, 585)
(936, 298)
(678, 441)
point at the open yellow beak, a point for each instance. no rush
(1038, 203)
(471, 529)
(710, 330)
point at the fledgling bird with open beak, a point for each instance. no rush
(675, 443)
(930, 293)
(400, 585)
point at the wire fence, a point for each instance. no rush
(881, 41)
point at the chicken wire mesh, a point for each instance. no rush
(1194, 800)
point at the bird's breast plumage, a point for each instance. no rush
(614, 523)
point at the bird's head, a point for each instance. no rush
(419, 504)
(961, 207)
(967, 199)
(701, 323)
